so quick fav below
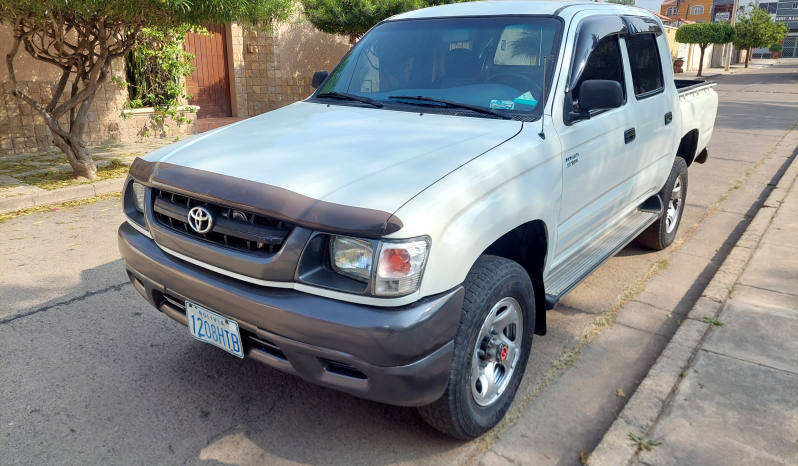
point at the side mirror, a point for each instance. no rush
(598, 94)
(318, 78)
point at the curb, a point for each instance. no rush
(652, 396)
(55, 196)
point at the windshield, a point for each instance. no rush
(493, 62)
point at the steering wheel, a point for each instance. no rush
(518, 78)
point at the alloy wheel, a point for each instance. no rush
(497, 351)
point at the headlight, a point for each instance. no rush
(351, 257)
(400, 267)
(138, 196)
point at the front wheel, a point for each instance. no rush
(491, 349)
(661, 233)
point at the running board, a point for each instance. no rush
(571, 273)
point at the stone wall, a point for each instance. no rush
(23, 130)
(142, 123)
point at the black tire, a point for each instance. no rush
(657, 235)
(490, 280)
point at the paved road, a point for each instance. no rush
(90, 374)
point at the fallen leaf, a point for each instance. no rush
(619, 392)
(583, 457)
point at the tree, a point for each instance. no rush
(353, 18)
(83, 37)
(756, 29)
(622, 2)
(705, 34)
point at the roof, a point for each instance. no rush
(662, 17)
(500, 8)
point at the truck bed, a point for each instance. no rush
(685, 85)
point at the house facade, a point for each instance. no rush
(785, 12)
(699, 11)
(239, 73)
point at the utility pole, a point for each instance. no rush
(730, 47)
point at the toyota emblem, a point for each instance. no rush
(200, 220)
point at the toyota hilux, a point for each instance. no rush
(400, 234)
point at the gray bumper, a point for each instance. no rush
(400, 356)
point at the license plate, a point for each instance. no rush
(212, 328)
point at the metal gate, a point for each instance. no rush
(210, 82)
(790, 47)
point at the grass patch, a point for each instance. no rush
(714, 322)
(49, 208)
(61, 179)
(642, 442)
(12, 168)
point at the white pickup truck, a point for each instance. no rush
(400, 234)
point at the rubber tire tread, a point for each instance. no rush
(487, 272)
(656, 236)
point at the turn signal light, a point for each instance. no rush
(400, 267)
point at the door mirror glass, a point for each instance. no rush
(318, 78)
(600, 94)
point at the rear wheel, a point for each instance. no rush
(491, 349)
(661, 233)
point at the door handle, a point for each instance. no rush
(629, 135)
(668, 118)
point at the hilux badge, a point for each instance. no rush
(200, 220)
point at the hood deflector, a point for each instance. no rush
(267, 200)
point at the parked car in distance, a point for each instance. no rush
(400, 234)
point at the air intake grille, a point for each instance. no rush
(232, 228)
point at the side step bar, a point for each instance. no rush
(571, 273)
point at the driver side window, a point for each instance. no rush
(604, 63)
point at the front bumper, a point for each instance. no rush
(399, 356)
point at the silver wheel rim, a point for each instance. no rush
(490, 373)
(674, 206)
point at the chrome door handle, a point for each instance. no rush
(629, 135)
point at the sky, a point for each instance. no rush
(652, 5)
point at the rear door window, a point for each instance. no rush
(645, 64)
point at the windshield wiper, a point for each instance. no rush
(450, 103)
(348, 96)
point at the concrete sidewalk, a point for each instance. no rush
(725, 390)
(753, 65)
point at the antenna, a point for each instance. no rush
(543, 108)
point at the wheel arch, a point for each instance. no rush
(527, 244)
(688, 146)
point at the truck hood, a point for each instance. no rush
(360, 157)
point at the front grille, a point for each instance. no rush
(232, 228)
